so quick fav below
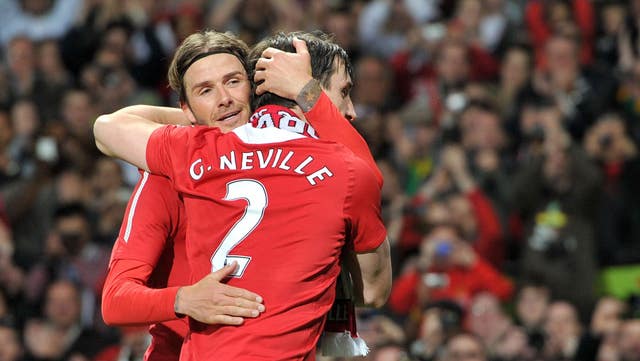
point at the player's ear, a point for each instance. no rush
(187, 111)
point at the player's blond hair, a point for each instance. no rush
(199, 45)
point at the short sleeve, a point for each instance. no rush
(165, 147)
(367, 231)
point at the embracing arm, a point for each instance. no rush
(372, 276)
(124, 134)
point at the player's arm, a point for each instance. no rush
(289, 76)
(124, 135)
(372, 270)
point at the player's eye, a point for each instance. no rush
(204, 91)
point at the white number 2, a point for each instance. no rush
(255, 194)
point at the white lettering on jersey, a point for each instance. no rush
(230, 162)
(264, 120)
(262, 161)
(302, 165)
(247, 160)
(192, 169)
(319, 174)
(284, 164)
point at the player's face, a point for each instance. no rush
(339, 91)
(217, 91)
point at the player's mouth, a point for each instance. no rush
(228, 117)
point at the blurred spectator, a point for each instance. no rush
(60, 335)
(612, 17)
(11, 348)
(599, 342)
(608, 143)
(532, 302)
(447, 269)
(384, 25)
(132, 347)
(629, 341)
(37, 19)
(53, 82)
(515, 77)
(555, 197)
(563, 330)
(545, 18)
(465, 346)
(72, 253)
(436, 324)
(252, 20)
(582, 94)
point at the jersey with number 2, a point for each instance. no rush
(282, 206)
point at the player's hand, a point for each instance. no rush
(283, 73)
(213, 302)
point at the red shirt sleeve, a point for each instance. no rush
(331, 125)
(126, 300)
(150, 220)
(362, 208)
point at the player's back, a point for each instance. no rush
(282, 209)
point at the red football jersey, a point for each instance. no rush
(282, 206)
(153, 232)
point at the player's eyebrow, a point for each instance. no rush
(225, 77)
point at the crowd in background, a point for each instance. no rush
(506, 130)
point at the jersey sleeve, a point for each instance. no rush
(150, 220)
(362, 207)
(126, 300)
(331, 125)
(167, 149)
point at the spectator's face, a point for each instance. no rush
(6, 131)
(606, 318)
(77, 112)
(372, 84)
(515, 68)
(74, 233)
(10, 347)
(532, 305)
(217, 91)
(485, 314)
(453, 65)
(341, 25)
(24, 116)
(339, 90)
(20, 56)
(70, 187)
(465, 348)
(562, 55)
(49, 57)
(629, 341)
(562, 322)
(62, 306)
(481, 129)
(107, 175)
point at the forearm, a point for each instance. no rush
(126, 300)
(125, 136)
(375, 270)
(157, 114)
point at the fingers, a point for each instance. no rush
(270, 52)
(301, 46)
(225, 271)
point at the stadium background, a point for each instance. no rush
(515, 121)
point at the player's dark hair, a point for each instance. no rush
(326, 56)
(198, 45)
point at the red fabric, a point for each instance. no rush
(149, 252)
(463, 284)
(583, 14)
(489, 242)
(300, 252)
(339, 130)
